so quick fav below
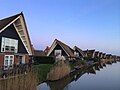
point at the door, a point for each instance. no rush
(21, 59)
(8, 61)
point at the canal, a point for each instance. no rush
(107, 78)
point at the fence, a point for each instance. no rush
(14, 70)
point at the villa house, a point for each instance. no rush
(100, 55)
(118, 58)
(78, 52)
(114, 57)
(108, 56)
(15, 44)
(104, 56)
(58, 48)
(91, 54)
(97, 54)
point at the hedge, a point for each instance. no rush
(43, 60)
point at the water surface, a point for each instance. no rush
(107, 78)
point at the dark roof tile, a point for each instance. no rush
(6, 21)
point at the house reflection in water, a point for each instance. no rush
(65, 82)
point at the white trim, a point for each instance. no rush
(3, 45)
(7, 66)
(9, 24)
(53, 46)
(25, 32)
(28, 47)
(20, 38)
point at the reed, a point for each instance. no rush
(21, 82)
(58, 71)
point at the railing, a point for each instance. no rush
(14, 70)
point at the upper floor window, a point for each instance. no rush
(9, 45)
(58, 52)
(76, 54)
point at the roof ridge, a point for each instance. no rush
(21, 13)
(4, 22)
(63, 43)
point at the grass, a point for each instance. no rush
(42, 70)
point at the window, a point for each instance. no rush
(9, 45)
(11, 60)
(8, 61)
(7, 48)
(76, 54)
(21, 60)
(58, 52)
(12, 48)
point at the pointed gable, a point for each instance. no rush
(96, 54)
(11, 33)
(18, 22)
(91, 53)
(69, 51)
(80, 51)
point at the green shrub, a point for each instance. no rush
(44, 60)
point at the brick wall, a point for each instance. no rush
(1, 60)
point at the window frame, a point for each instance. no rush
(58, 52)
(7, 45)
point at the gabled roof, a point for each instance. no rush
(91, 51)
(4, 23)
(69, 51)
(39, 53)
(108, 55)
(80, 51)
(100, 54)
(96, 52)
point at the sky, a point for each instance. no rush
(88, 24)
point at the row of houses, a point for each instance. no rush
(16, 46)
(60, 48)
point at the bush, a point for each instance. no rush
(44, 60)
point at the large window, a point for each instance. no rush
(8, 61)
(58, 52)
(9, 45)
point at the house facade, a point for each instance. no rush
(100, 55)
(15, 44)
(91, 54)
(78, 52)
(96, 54)
(58, 48)
(104, 56)
(108, 56)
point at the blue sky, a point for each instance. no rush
(88, 24)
